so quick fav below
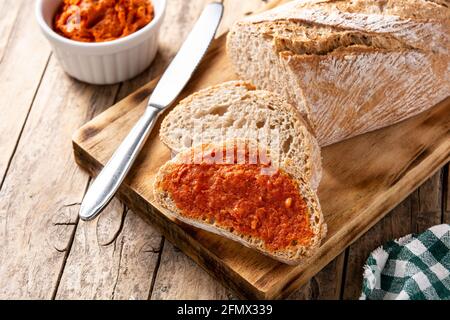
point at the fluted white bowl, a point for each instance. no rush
(102, 62)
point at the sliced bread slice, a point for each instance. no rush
(219, 188)
(235, 110)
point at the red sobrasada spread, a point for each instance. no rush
(243, 198)
(102, 20)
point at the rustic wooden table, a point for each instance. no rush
(48, 253)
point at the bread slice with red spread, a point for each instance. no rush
(234, 189)
(235, 109)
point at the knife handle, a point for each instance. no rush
(109, 179)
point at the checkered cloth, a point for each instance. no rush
(415, 267)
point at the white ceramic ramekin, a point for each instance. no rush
(103, 62)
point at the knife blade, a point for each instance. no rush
(166, 91)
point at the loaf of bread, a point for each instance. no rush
(350, 67)
(236, 110)
(263, 206)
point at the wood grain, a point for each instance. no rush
(325, 285)
(20, 72)
(446, 195)
(178, 285)
(356, 191)
(110, 261)
(37, 223)
(180, 278)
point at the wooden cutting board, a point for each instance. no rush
(364, 178)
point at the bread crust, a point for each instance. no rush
(349, 67)
(292, 255)
(237, 102)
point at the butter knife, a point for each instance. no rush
(166, 91)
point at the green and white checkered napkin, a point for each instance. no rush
(415, 267)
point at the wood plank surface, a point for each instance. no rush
(38, 222)
(355, 193)
(180, 278)
(48, 253)
(446, 195)
(7, 23)
(113, 257)
(20, 72)
(420, 211)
